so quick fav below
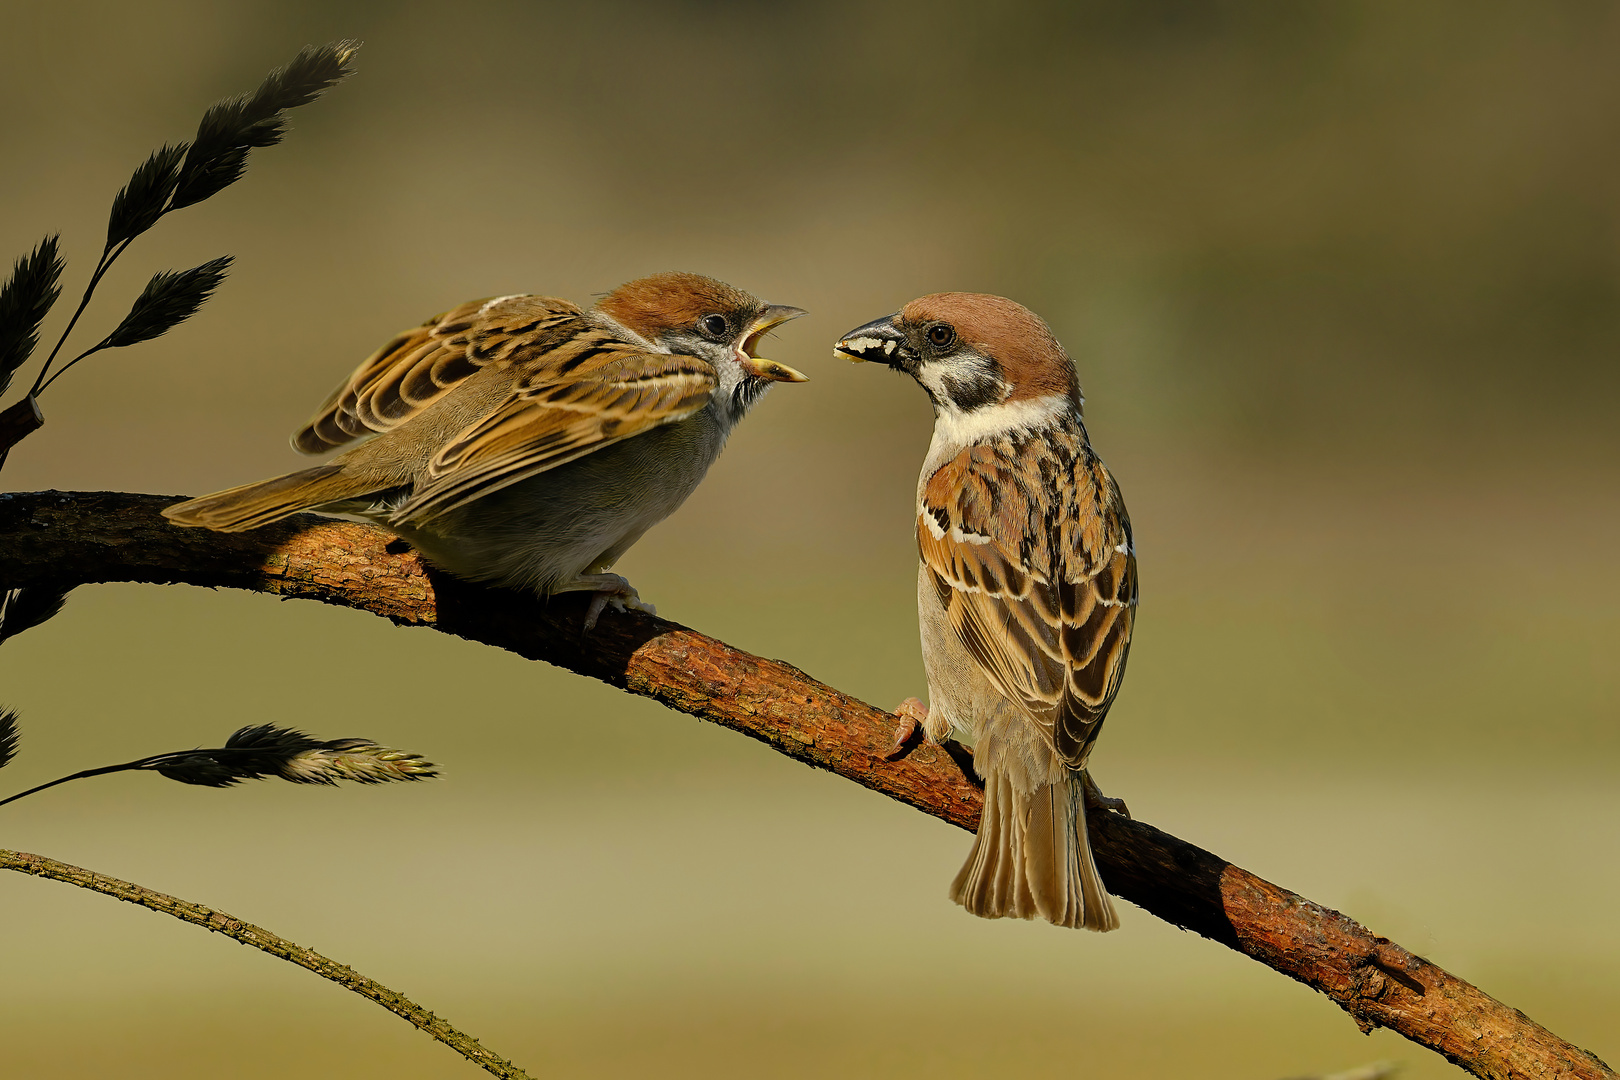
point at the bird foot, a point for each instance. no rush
(1096, 800)
(612, 591)
(911, 713)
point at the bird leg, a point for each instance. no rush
(913, 715)
(611, 590)
(1096, 800)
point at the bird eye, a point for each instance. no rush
(713, 325)
(941, 336)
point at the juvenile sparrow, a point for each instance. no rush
(524, 442)
(1026, 592)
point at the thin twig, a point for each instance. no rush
(65, 538)
(263, 940)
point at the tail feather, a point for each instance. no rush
(252, 505)
(1032, 858)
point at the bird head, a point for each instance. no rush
(699, 316)
(971, 352)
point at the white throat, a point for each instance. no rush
(956, 431)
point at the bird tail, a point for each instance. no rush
(253, 505)
(1032, 858)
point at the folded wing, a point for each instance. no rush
(420, 366)
(592, 392)
(577, 388)
(1039, 582)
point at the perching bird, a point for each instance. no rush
(524, 442)
(1025, 595)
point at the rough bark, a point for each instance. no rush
(62, 538)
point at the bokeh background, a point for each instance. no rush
(1343, 283)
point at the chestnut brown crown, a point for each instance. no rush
(663, 303)
(1032, 361)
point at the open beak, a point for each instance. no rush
(879, 341)
(758, 366)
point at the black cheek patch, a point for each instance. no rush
(974, 391)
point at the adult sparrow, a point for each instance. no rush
(1026, 592)
(528, 443)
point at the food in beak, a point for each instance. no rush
(879, 342)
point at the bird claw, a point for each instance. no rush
(1096, 800)
(599, 601)
(621, 596)
(911, 712)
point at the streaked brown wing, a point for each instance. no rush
(1099, 614)
(1039, 584)
(420, 366)
(592, 391)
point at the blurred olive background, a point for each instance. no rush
(1343, 284)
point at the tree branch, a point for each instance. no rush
(63, 538)
(18, 422)
(262, 939)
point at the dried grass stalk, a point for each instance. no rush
(253, 753)
(25, 300)
(171, 177)
(232, 127)
(8, 736)
(24, 609)
(143, 200)
(168, 300)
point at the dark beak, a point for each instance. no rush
(879, 342)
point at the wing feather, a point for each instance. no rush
(420, 366)
(1038, 579)
(576, 387)
(592, 391)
